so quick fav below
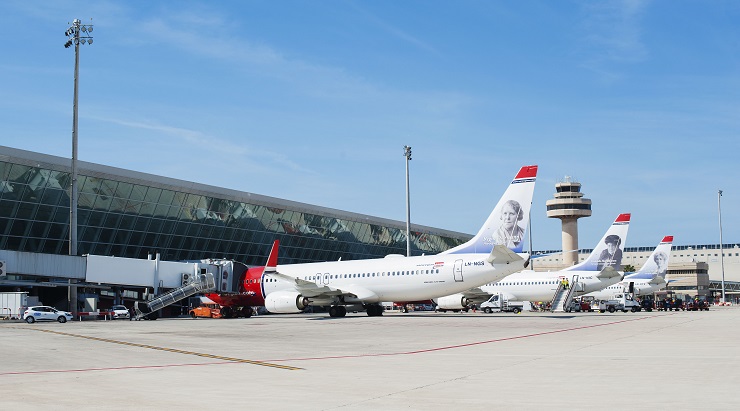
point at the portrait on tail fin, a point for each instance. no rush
(612, 255)
(510, 234)
(661, 260)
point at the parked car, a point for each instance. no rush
(45, 313)
(120, 311)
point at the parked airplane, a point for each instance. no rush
(489, 256)
(599, 270)
(647, 280)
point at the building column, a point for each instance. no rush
(72, 297)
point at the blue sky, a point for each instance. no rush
(313, 101)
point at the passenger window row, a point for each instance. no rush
(365, 275)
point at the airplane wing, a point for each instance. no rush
(319, 292)
(502, 255)
(307, 288)
(312, 290)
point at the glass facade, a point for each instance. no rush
(134, 217)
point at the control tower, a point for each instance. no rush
(569, 205)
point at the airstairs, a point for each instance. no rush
(201, 283)
(563, 296)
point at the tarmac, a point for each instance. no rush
(414, 361)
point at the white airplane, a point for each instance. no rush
(489, 256)
(600, 270)
(647, 280)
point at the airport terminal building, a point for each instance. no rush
(129, 214)
(135, 215)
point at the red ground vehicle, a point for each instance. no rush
(579, 306)
(206, 310)
(697, 305)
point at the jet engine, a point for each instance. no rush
(285, 302)
(453, 302)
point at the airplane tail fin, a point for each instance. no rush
(608, 252)
(507, 223)
(657, 263)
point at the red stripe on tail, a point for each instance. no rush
(527, 172)
(623, 218)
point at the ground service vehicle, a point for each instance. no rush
(579, 306)
(697, 304)
(499, 303)
(45, 313)
(207, 310)
(12, 305)
(621, 302)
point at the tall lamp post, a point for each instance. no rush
(407, 154)
(721, 245)
(77, 34)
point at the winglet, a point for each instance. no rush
(273, 258)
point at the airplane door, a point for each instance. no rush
(326, 278)
(578, 286)
(457, 270)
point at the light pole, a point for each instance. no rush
(75, 38)
(721, 246)
(531, 262)
(407, 154)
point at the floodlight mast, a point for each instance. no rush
(721, 245)
(407, 154)
(74, 37)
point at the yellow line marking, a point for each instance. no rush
(174, 350)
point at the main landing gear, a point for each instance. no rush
(337, 311)
(374, 310)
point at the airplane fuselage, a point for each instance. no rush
(541, 286)
(640, 287)
(397, 278)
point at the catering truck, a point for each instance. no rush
(499, 303)
(12, 305)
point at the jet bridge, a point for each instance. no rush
(201, 283)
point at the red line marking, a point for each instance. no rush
(450, 347)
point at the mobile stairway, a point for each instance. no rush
(147, 310)
(563, 296)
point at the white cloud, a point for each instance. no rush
(613, 34)
(197, 140)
